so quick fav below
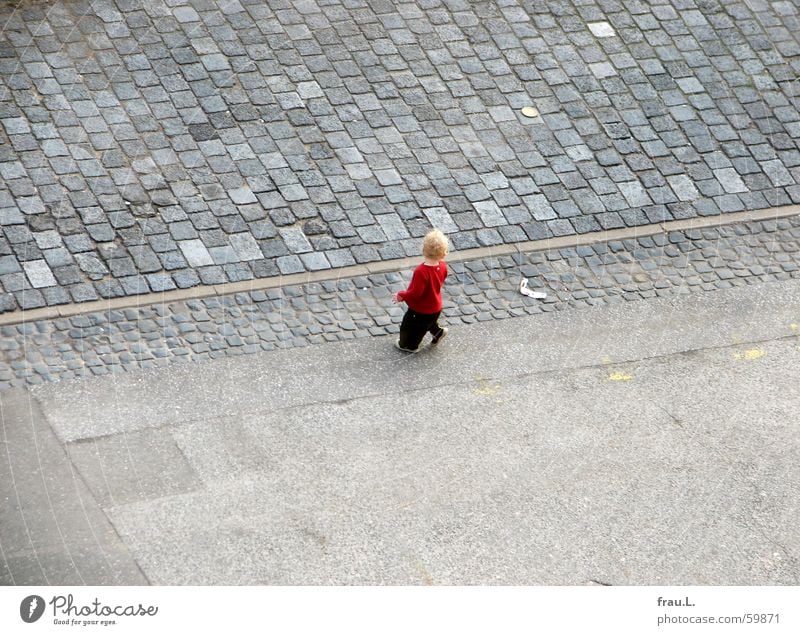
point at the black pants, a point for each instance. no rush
(415, 325)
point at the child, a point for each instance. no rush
(423, 296)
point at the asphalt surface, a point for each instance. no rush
(641, 443)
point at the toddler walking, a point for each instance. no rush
(423, 296)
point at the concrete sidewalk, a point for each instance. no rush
(645, 443)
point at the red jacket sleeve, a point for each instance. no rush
(414, 290)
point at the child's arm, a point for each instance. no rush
(414, 289)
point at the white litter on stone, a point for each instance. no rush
(524, 290)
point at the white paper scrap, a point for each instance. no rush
(524, 290)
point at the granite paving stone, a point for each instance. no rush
(225, 126)
(39, 274)
(245, 246)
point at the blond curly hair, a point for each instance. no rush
(434, 245)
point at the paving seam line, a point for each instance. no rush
(387, 266)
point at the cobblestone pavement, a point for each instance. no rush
(194, 330)
(149, 145)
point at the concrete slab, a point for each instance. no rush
(52, 530)
(555, 478)
(133, 466)
(219, 449)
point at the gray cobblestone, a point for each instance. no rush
(39, 274)
(186, 122)
(314, 313)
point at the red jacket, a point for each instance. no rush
(424, 293)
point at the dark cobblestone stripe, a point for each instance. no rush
(146, 146)
(300, 315)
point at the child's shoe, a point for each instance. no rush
(405, 350)
(436, 339)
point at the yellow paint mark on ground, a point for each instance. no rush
(794, 327)
(485, 389)
(607, 360)
(619, 376)
(753, 353)
(423, 573)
